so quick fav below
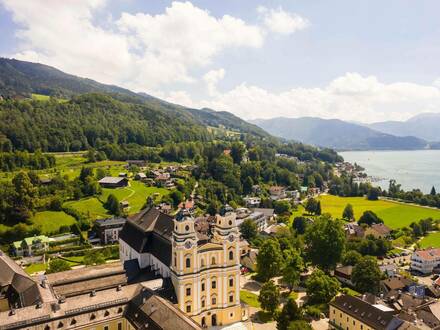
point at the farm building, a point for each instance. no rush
(113, 182)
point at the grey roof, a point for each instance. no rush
(11, 274)
(112, 179)
(266, 212)
(110, 221)
(150, 231)
(366, 313)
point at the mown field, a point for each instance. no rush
(395, 215)
(431, 240)
(136, 195)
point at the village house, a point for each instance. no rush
(353, 230)
(273, 229)
(343, 274)
(425, 261)
(165, 208)
(113, 182)
(277, 192)
(252, 201)
(108, 229)
(256, 217)
(140, 176)
(30, 245)
(378, 230)
(268, 213)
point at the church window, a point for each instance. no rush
(188, 262)
(231, 255)
(188, 291)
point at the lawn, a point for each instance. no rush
(90, 207)
(395, 215)
(249, 298)
(51, 221)
(432, 240)
(136, 194)
(33, 268)
(40, 97)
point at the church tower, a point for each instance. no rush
(184, 261)
(206, 274)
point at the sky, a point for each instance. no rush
(363, 61)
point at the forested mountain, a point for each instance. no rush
(118, 117)
(424, 126)
(334, 133)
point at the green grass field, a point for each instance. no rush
(33, 268)
(249, 298)
(432, 240)
(136, 195)
(40, 97)
(51, 221)
(90, 207)
(395, 215)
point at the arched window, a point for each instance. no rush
(214, 284)
(175, 260)
(214, 300)
(202, 262)
(188, 262)
(213, 261)
(231, 255)
(231, 281)
(231, 297)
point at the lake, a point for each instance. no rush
(412, 169)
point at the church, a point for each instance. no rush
(200, 257)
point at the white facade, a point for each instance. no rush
(126, 252)
(425, 261)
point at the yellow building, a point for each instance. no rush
(203, 265)
(206, 272)
(352, 313)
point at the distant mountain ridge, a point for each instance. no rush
(424, 126)
(337, 134)
(21, 79)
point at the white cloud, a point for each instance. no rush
(211, 79)
(282, 22)
(349, 97)
(138, 51)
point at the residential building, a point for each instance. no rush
(353, 230)
(268, 213)
(343, 274)
(258, 218)
(425, 261)
(204, 269)
(252, 201)
(378, 230)
(30, 245)
(273, 229)
(140, 176)
(277, 192)
(108, 229)
(349, 312)
(113, 182)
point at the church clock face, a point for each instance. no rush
(188, 245)
(231, 238)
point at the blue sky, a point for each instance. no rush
(354, 60)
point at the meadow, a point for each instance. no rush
(394, 214)
(136, 195)
(431, 240)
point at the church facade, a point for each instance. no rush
(203, 266)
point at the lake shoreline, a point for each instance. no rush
(414, 169)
